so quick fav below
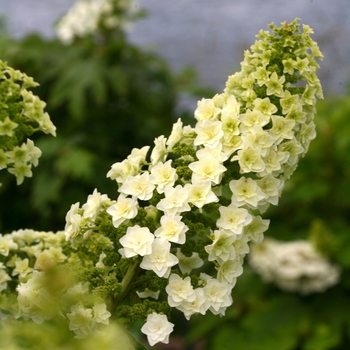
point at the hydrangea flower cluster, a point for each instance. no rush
(21, 114)
(87, 17)
(293, 266)
(177, 234)
(185, 214)
(39, 281)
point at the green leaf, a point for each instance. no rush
(50, 193)
(229, 338)
(136, 344)
(76, 162)
(201, 326)
(324, 337)
(139, 346)
(277, 325)
(118, 80)
(343, 249)
(76, 82)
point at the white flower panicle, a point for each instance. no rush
(22, 114)
(31, 271)
(197, 196)
(293, 266)
(87, 17)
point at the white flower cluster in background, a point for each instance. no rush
(86, 17)
(197, 199)
(21, 115)
(293, 266)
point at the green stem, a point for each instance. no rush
(126, 283)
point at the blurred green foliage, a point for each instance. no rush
(56, 336)
(105, 98)
(315, 205)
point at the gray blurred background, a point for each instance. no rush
(211, 35)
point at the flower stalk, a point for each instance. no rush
(126, 283)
